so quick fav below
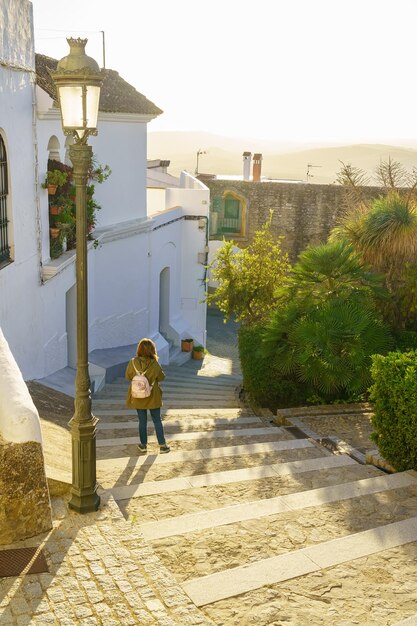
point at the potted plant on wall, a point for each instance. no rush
(54, 179)
(187, 345)
(198, 352)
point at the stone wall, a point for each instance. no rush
(303, 213)
(25, 508)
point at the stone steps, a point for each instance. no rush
(152, 508)
(230, 476)
(239, 580)
(239, 507)
(194, 414)
(188, 467)
(207, 454)
(285, 530)
(184, 425)
(196, 435)
(196, 522)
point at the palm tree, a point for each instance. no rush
(385, 235)
(327, 326)
(327, 347)
(333, 268)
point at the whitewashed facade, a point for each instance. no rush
(146, 278)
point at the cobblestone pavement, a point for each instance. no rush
(253, 528)
(101, 572)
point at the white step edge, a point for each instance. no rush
(238, 580)
(229, 476)
(211, 434)
(202, 454)
(408, 621)
(196, 412)
(203, 520)
(203, 423)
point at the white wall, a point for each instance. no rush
(20, 279)
(19, 418)
(124, 271)
(16, 33)
(155, 200)
(119, 292)
(122, 146)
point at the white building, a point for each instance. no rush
(147, 275)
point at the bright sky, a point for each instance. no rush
(291, 70)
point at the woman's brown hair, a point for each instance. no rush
(146, 347)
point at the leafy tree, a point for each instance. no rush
(350, 176)
(249, 277)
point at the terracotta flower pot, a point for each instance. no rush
(198, 354)
(52, 189)
(54, 232)
(55, 210)
(186, 345)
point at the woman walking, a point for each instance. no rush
(146, 363)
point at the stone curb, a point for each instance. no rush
(334, 443)
(325, 409)
(373, 457)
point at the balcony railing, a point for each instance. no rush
(228, 225)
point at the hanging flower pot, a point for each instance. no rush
(52, 189)
(54, 209)
(54, 232)
(187, 345)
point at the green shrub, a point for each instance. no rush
(261, 380)
(394, 394)
(327, 347)
(405, 340)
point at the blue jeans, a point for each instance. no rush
(143, 425)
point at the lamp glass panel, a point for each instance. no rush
(93, 97)
(71, 99)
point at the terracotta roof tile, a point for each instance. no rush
(117, 96)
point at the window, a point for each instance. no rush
(4, 240)
(230, 221)
(231, 209)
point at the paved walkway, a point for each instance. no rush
(240, 524)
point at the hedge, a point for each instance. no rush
(261, 380)
(394, 394)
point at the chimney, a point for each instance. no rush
(257, 166)
(246, 165)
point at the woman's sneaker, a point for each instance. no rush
(164, 449)
(142, 449)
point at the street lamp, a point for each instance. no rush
(78, 80)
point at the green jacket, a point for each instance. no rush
(154, 374)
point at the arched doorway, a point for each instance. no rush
(54, 149)
(164, 285)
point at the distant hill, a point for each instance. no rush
(280, 160)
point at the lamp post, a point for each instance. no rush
(78, 80)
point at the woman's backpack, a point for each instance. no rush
(140, 384)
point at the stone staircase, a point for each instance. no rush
(259, 527)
